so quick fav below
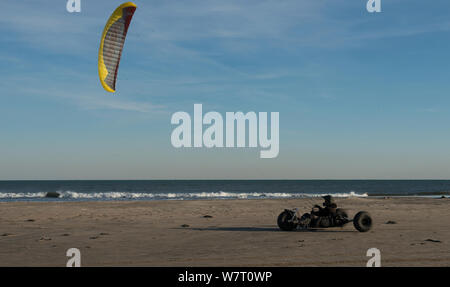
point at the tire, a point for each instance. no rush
(284, 223)
(362, 221)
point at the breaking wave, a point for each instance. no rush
(71, 195)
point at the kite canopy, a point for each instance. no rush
(111, 45)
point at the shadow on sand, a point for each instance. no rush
(263, 229)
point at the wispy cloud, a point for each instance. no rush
(231, 24)
(193, 48)
(93, 102)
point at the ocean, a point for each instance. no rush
(76, 190)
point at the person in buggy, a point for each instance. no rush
(329, 208)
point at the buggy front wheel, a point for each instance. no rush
(362, 221)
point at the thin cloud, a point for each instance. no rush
(92, 103)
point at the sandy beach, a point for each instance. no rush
(220, 233)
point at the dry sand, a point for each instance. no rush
(239, 233)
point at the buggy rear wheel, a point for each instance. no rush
(284, 221)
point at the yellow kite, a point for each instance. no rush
(111, 45)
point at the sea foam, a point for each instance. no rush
(169, 196)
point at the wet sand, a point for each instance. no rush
(233, 233)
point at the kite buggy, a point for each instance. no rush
(323, 217)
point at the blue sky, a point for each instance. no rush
(359, 95)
